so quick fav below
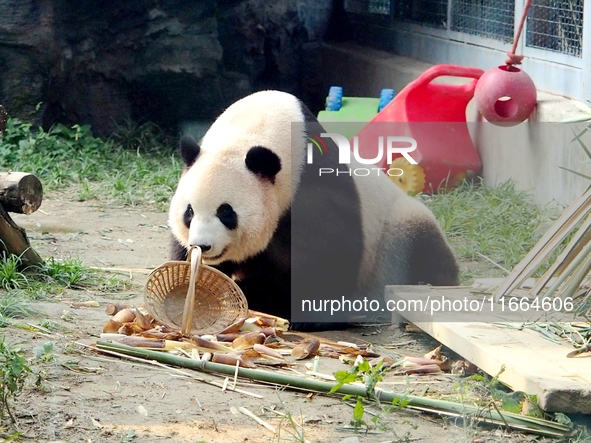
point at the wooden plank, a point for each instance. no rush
(532, 363)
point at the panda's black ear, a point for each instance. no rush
(263, 162)
(189, 149)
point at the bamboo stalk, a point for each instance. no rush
(569, 270)
(581, 238)
(574, 282)
(557, 232)
(174, 370)
(532, 424)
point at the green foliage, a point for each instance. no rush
(399, 403)
(369, 375)
(72, 160)
(146, 137)
(13, 374)
(490, 389)
(19, 285)
(500, 223)
(129, 437)
(14, 306)
(69, 273)
(11, 276)
(44, 353)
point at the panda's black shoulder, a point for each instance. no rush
(308, 116)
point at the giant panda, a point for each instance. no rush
(287, 234)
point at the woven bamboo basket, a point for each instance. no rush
(194, 297)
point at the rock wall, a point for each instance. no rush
(167, 61)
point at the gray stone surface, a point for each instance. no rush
(167, 61)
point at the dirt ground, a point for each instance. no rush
(89, 397)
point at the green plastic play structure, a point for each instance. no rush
(357, 111)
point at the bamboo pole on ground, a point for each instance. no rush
(490, 415)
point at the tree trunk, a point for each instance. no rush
(13, 240)
(3, 119)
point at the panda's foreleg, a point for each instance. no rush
(431, 260)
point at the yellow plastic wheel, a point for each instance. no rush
(412, 179)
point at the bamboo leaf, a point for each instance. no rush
(578, 138)
(358, 410)
(576, 172)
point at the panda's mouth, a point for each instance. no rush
(215, 257)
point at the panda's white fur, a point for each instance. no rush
(398, 236)
(220, 172)
(388, 216)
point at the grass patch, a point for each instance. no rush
(137, 165)
(69, 273)
(13, 374)
(10, 275)
(13, 306)
(20, 286)
(501, 224)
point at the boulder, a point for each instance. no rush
(165, 61)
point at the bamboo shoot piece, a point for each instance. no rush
(248, 340)
(266, 351)
(114, 309)
(234, 327)
(142, 321)
(210, 345)
(111, 327)
(307, 348)
(154, 343)
(231, 359)
(124, 316)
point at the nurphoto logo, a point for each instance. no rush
(387, 145)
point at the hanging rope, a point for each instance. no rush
(514, 59)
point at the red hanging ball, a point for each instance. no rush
(505, 95)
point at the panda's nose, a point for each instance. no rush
(204, 248)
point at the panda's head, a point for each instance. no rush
(236, 185)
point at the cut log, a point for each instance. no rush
(20, 192)
(13, 240)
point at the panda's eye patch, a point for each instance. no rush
(188, 216)
(227, 216)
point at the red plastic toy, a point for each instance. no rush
(435, 116)
(505, 95)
